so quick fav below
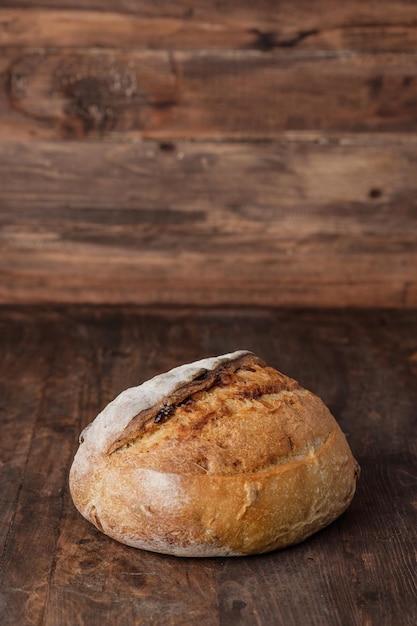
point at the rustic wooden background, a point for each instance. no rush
(162, 156)
(209, 152)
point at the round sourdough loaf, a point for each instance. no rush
(222, 457)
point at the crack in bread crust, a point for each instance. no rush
(253, 421)
(204, 380)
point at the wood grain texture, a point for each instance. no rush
(58, 569)
(202, 223)
(220, 153)
(267, 25)
(111, 93)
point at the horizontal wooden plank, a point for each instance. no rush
(136, 94)
(320, 25)
(194, 223)
(196, 279)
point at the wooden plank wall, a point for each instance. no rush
(214, 152)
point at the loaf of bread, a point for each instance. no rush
(221, 457)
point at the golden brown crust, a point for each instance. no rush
(237, 460)
(204, 379)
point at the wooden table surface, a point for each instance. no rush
(59, 367)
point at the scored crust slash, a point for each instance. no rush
(225, 456)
